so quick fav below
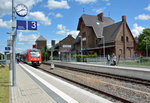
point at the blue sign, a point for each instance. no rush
(7, 48)
(26, 25)
(21, 25)
(83, 49)
(32, 25)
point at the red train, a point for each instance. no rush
(32, 57)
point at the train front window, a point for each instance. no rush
(34, 54)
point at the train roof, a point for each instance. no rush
(33, 50)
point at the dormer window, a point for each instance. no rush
(127, 39)
(122, 38)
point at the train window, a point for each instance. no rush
(34, 53)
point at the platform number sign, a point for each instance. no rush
(26, 25)
(21, 25)
(32, 25)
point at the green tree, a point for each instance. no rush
(45, 54)
(143, 39)
(1, 55)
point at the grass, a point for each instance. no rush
(4, 84)
(135, 63)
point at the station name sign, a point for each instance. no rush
(26, 25)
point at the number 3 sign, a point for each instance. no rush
(32, 25)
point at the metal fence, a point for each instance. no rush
(136, 61)
(142, 62)
(3, 62)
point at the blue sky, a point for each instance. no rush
(58, 18)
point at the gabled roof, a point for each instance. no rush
(95, 23)
(69, 37)
(41, 38)
(111, 31)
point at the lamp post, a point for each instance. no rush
(81, 49)
(146, 47)
(10, 52)
(52, 49)
(13, 44)
(103, 43)
(103, 47)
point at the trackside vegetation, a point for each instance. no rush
(4, 84)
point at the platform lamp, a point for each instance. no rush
(11, 46)
(103, 42)
(81, 48)
(52, 49)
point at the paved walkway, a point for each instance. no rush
(35, 86)
(75, 94)
(27, 91)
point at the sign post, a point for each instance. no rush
(22, 11)
(13, 44)
(52, 49)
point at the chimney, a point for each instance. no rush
(124, 36)
(101, 17)
(124, 18)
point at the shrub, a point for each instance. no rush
(78, 57)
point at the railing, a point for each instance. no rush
(136, 61)
(142, 62)
(3, 62)
(96, 60)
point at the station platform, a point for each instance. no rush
(132, 72)
(26, 90)
(35, 86)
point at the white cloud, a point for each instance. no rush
(6, 5)
(147, 8)
(52, 4)
(61, 27)
(108, 4)
(41, 17)
(19, 50)
(49, 43)
(74, 33)
(85, 1)
(137, 30)
(142, 17)
(106, 0)
(27, 39)
(58, 15)
(5, 24)
(62, 30)
(99, 10)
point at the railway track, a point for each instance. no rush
(123, 100)
(89, 87)
(127, 79)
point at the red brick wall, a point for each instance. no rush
(120, 45)
(41, 44)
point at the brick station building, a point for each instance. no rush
(64, 47)
(41, 42)
(117, 37)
